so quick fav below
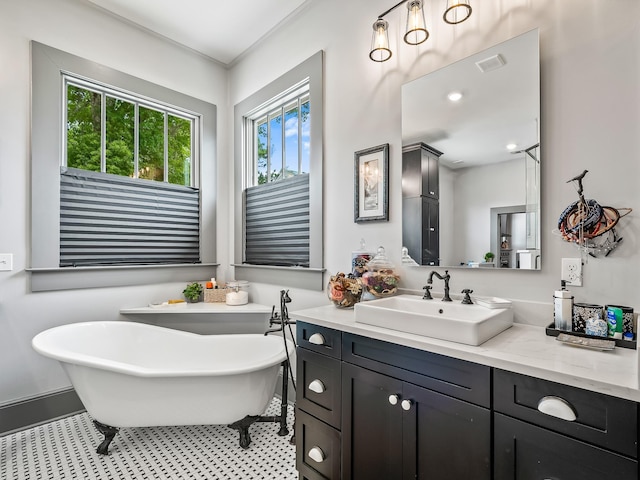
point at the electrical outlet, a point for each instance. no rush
(572, 271)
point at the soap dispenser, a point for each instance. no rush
(563, 308)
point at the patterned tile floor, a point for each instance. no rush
(65, 449)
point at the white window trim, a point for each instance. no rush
(48, 66)
(311, 71)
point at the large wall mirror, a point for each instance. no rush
(471, 160)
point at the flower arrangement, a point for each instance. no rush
(344, 290)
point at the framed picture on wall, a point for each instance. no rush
(371, 184)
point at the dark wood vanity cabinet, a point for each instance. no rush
(410, 414)
(369, 409)
(318, 402)
(404, 413)
(396, 430)
(420, 203)
(597, 441)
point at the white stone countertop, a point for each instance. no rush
(524, 349)
(200, 307)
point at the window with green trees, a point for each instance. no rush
(110, 132)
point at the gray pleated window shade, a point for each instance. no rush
(109, 219)
(277, 222)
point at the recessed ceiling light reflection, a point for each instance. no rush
(511, 146)
(454, 96)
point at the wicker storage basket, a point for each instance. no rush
(216, 295)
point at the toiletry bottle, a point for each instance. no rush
(563, 308)
(614, 322)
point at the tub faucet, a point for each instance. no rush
(281, 319)
(446, 277)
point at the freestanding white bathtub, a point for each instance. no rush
(137, 375)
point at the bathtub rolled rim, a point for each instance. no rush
(41, 344)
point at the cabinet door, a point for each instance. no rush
(432, 174)
(445, 438)
(526, 452)
(371, 425)
(431, 231)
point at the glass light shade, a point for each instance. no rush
(416, 29)
(380, 42)
(457, 11)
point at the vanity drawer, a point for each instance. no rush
(319, 339)
(601, 420)
(451, 376)
(317, 448)
(319, 386)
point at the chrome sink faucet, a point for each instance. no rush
(446, 277)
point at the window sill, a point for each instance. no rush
(297, 277)
(70, 278)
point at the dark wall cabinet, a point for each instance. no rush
(368, 409)
(420, 203)
(420, 171)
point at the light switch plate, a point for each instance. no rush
(572, 271)
(6, 261)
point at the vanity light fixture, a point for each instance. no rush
(457, 11)
(416, 33)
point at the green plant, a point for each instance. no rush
(488, 257)
(193, 291)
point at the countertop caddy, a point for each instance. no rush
(374, 402)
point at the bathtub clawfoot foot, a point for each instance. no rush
(109, 433)
(243, 428)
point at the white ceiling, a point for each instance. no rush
(220, 29)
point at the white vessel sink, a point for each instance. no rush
(469, 324)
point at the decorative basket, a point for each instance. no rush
(216, 295)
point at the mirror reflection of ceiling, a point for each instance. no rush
(491, 99)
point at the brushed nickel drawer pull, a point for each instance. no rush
(316, 454)
(557, 407)
(317, 386)
(317, 339)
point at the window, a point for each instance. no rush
(281, 139)
(116, 168)
(138, 206)
(113, 132)
(278, 147)
(276, 200)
